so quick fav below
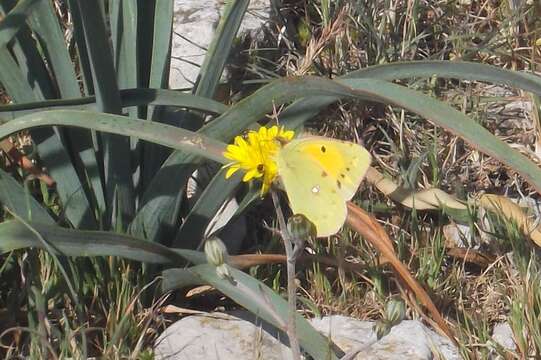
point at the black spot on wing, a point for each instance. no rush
(323, 149)
(324, 173)
(339, 184)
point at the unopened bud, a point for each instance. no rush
(223, 271)
(382, 327)
(395, 311)
(300, 228)
(215, 251)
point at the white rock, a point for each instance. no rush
(194, 24)
(408, 340)
(220, 336)
(503, 335)
(457, 235)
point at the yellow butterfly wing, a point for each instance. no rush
(319, 176)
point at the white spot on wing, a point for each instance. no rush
(315, 189)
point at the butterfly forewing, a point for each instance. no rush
(345, 162)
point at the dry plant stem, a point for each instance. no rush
(291, 285)
(368, 227)
(245, 261)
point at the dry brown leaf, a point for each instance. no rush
(429, 199)
(472, 256)
(368, 227)
(510, 211)
(199, 290)
(24, 162)
(172, 309)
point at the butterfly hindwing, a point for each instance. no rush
(319, 176)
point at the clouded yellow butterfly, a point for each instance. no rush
(319, 175)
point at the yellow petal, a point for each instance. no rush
(273, 131)
(262, 132)
(233, 169)
(249, 175)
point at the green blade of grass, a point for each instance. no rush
(210, 73)
(452, 120)
(45, 25)
(166, 135)
(115, 149)
(218, 51)
(298, 113)
(451, 69)
(16, 235)
(161, 29)
(257, 298)
(128, 97)
(25, 50)
(161, 45)
(123, 18)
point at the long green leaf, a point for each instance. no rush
(451, 69)
(25, 50)
(80, 42)
(160, 61)
(257, 298)
(209, 76)
(157, 133)
(218, 51)
(453, 121)
(128, 97)
(296, 114)
(16, 235)
(44, 23)
(116, 149)
(161, 44)
(125, 49)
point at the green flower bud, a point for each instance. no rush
(395, 311)
(215, 251)
(223, 271)
(300, 228)
(381, 328)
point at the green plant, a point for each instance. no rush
(120, 193)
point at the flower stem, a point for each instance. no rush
(291, 284)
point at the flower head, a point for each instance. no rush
(254, 153)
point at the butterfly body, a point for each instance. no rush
(319, 175)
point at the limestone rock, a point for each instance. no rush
(408, 340)
(194, 24)
(221, 336)
(503, 335)
(217, 336)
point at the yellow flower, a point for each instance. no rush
(254, 153)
